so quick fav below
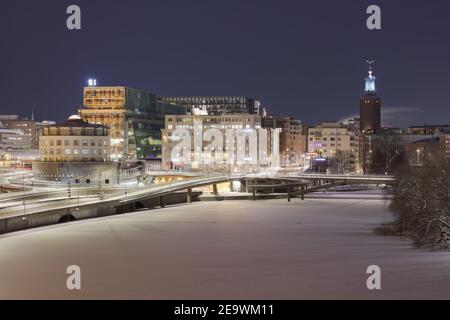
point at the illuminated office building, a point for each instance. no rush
(220, 142)
(135, 118)
(217, 105)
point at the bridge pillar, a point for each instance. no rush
(161, 202)
(189, 195)
(244, 187)
(215, 191)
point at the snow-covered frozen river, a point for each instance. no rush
(317, 248)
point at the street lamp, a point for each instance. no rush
(418, 157)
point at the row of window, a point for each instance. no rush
(230, 126)
(207, 100)
(75, 131)
(84, 159)
(75, 143)
(104, 93)
(215, 120)
(82, 152)
(331, 151)
(75, 180)
(331, 139)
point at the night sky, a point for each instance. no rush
(300, 58)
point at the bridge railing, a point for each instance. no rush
(172, 187)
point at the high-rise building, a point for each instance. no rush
(135, 118)
(217, 105)
(370, 106)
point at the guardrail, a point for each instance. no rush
(171, 187)
(142, 193)
(33, 194)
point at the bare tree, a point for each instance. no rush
(387, 153)
(421, 204)
(343, 159)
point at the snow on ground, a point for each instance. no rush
(317, 248)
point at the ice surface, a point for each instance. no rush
(317, 248)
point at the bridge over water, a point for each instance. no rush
(14, 219)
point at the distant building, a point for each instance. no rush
(293, 136)
(445, 145)
(13, 139)
(353, 124)
(135, 118)
(23, 158)
(76, 152)
(335, 141)
(29, 127)
(421, 152)
(370, 106)
(217, 105)
(429, 129)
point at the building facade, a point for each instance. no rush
(428, 129)
(13, 139)
(217, 105)
(293, 137)
(239, 139)
(335, 141)
(135, 118)
(445, 145)
(76, 152)
(29, 127)
(75, 141)
(422, 152)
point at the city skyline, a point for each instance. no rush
(284, 65)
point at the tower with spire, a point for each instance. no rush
(370, 104)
